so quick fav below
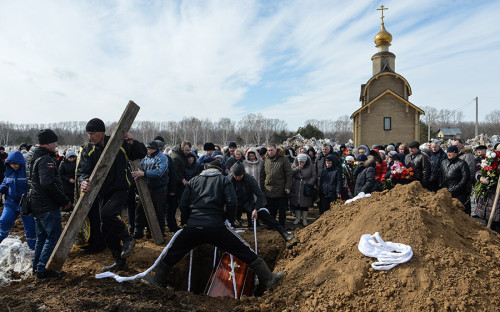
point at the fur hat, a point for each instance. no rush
(209, 146)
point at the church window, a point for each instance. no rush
(387, 123)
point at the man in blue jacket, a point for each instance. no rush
(155, 170)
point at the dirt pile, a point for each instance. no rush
(455, 264)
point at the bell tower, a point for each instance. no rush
(383, 59)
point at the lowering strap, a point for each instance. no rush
(388, 254)
(120, 279)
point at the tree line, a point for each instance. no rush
(252, 129)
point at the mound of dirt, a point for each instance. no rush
(455, 264)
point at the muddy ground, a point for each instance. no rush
(79, 290)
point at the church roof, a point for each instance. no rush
(450, 131)
(386, 70)
(384, 93)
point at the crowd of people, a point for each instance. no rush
(236, 184)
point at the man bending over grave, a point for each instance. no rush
(208, 200)
(113, 194)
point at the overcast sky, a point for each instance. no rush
(293, 60)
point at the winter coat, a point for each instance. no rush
(301, 177)
(172, 185)
(330, 182)
(455, 176)
(208, 200)
(365, 180)
(192, 170)
(421, 167)
(467, 155)
(155, 169)
(15, 183)
(320, 164)
(484, 206)
(253, 168)
(117, 178)
(67, 170)
(436, 160)
(276, 175)
(2, 170)
(180, 162)
(46, 188)
(313, 158)
(248, 192)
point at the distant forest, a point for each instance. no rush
(252, 129)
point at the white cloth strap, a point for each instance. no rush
(120, 279)
(388, 254)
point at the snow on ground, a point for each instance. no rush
(15, 260)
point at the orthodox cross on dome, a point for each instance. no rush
(382, 8)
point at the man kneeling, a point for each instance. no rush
(203, 216)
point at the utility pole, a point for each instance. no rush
(477, 112)
(428, 128)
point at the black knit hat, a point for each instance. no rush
(233, 144)
(238, 169)
(215, 164)
(481, 147)
(95, 125)
(452, 149)
(46, 136)
(209, 146)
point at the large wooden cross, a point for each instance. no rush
(96, 179)
(382, 8)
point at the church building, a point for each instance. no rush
(386, 114)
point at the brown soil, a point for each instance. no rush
(454, 267)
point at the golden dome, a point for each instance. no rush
(383, 37)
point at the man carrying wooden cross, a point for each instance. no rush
(113, 194)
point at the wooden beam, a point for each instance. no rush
(147, 204)
(96, 179)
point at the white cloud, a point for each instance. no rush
(78, 60)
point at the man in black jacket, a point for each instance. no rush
(420, 163)
(203, 213)
(47, 197)
(113, 194)
(250, 198)
(437, 156)
(456, 177)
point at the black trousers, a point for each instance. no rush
(464, 198)
(324, 204)
(264, 216)
(278, 204)
(158, 197)
(112, 227)
(221, 237)
(131, 205)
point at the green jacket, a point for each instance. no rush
(276, 175)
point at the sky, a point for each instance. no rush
(292, 60)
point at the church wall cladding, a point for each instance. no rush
(402, 123)
(380, 85)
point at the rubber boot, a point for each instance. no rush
(304, 218)
(160, 279)
(128, 245)
(298, 215)
(286, 236)
(266, 277)
(120, 262)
